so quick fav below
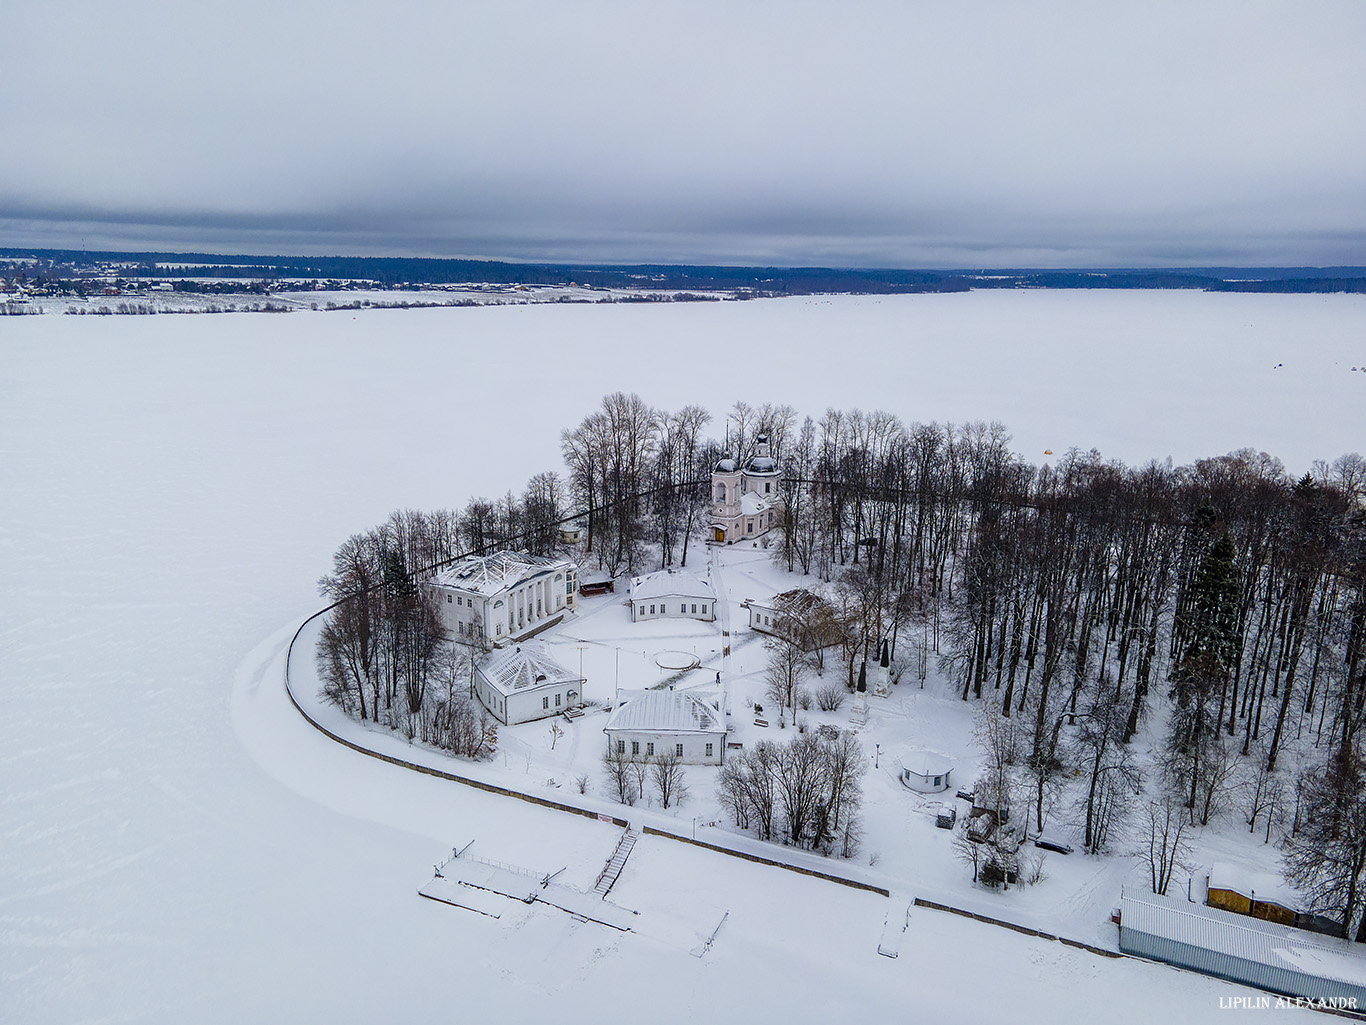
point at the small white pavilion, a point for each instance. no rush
(925, 772)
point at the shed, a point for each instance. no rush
(598, 582)
(926, 772)
(1259, 894)
(1242, 949)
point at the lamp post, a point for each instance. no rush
(877, 754)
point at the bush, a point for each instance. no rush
(829, 697)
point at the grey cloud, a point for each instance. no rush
(871, 133)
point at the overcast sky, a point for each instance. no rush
(946, 134)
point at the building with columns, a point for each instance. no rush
(492, 600)
(744, 499)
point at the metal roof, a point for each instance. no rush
(669, 583)
(666, 711)
(491, 574)
(524, 667)
(926, 763)
(1239, 936)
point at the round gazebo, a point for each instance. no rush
(926, 772)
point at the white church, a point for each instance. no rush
(745, 500)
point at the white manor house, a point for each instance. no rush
(745, 500)
(504, 597)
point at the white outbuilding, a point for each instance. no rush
(688, 724)
(672, 594)
(926, 772)
(523, 683)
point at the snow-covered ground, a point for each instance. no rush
(178, 844)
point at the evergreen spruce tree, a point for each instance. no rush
(1210, 631)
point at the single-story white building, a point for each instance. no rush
(523, 683)
(507, 596)
(799, 616)
(926, 772)
(675, 594)
(687, 723)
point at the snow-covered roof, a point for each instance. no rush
(926, 763)
(790, 603)
(490, 574)
(524, 666)
(751, 504)
(667, 583)
(1278, 946)
(762, 464)
(667, 711)
(726, 466)
(1263, 885)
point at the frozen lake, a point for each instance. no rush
(178, 846)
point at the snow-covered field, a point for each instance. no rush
(179, 845)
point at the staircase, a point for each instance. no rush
(607, 878)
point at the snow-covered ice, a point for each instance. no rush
(179, 845)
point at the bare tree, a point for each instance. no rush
(784, 674)
(1167, 843)
(1325, 856)
(666, 772)
(617, 768)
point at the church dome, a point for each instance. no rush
(726, 466)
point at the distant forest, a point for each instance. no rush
(400, 271)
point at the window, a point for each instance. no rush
(635, 747)
(652, 610)
(545, 701)
(678, 750)
(936, 780)
(557, 700)
(708, 750)
(642, 610)
(767, 485)
(538, 606)
(694, 609)
(704, 610)
(621, 747)
(650, 749)
(448, 599)
(683, 608)
(500, 629)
